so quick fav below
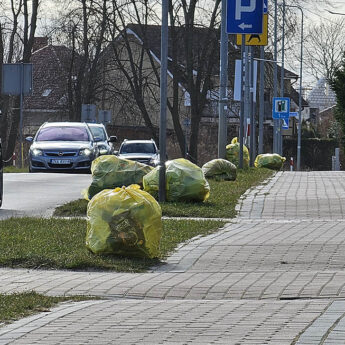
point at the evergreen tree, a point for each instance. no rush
(338, 85)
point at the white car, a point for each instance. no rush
(143, 151)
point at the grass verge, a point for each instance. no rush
(223, 199)
(12, 169)
(15, 306)
(60, 244)
(221, 204)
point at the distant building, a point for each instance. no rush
(49, 100)
(320, 99)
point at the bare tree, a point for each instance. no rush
(324, 48)
(192, 58)
(82, 29)
(16, 44)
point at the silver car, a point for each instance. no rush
(62, 146)
(104, 142)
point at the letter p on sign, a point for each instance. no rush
(243, 8)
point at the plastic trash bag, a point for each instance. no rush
(185, 181)
(233, 153)
(270, 161)
(109, 172)
(221, 169)
(124, 221)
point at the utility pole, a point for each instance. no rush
(282, 75)
(251, 107)
(240, 165)
(262, 100)
(275, 74)
(163, 100)
(223, 94)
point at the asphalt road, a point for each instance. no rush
(38, 194)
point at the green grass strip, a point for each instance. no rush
(221, 204)
(60, 244)
(16, 306)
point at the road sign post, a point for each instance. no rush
(245, 18)
(17, 80)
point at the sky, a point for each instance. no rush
(314, 12)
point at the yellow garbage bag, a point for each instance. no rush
(185, 181)
(233, 153)
(221, 169)
(124, 221)
(270, 161)
(109, 172)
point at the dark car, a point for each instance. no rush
(104, 142)
(143, 151)
(62, 146)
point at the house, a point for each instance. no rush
(49, 100)
(320, 98)
(144, 42)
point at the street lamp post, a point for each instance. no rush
(300, 99)
(222, 123)
(275, 74)
(163, 99)
(280, 149)
(299, 139)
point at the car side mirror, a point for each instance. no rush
(116, 153)
(29, 139)
(112, 139)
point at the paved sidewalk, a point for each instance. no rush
(274, 275)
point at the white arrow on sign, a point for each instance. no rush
(244, 26)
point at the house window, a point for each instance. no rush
(46, 92)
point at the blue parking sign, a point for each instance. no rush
(245, 16)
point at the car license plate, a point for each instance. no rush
(61, 161)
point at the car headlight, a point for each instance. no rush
(154, 161)
(37, 152)
(85, 152)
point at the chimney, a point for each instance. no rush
(39, 42)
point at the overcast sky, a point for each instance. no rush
(315, 12)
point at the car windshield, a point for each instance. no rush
(63, 133)
(98, 132)
(138, 148)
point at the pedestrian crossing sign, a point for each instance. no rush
(285, 124)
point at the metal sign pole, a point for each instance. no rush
(275, 73)
(21, 116)
(262, 100)
(300, 100)
(246, 88)
(251, 105)
(163, 100)
(223, 100)
(282, 75)
(242, 102)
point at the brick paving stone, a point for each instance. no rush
(156, 322)
(274, 275)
